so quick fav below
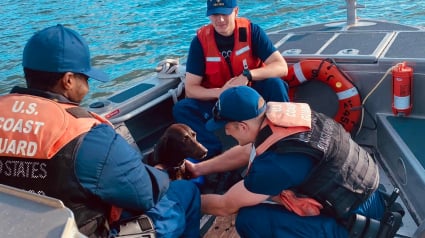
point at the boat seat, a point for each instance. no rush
(400, 145)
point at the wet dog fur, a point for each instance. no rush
(176, 144)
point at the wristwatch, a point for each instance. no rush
(247, 74)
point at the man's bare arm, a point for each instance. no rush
(234, 158)
(230, 202)
(275, 66)
(194, 89)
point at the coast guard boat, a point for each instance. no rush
(366, 74)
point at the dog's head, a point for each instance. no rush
(176, 144)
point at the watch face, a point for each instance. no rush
(247, 74)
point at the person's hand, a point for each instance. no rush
(190, 169)
(235, 82)
(240, 80)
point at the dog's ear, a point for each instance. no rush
(149, 158)
(160, 148)
(162, 143)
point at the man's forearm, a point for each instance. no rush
(231, 201)
(234, 158)
(213, 204)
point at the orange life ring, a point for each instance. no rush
(326, 71)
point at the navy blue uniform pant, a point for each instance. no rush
(271, 220)
(178, 213)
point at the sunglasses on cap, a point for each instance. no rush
(216, 111)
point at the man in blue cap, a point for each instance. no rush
(230, 51)
(51, 146)
(306, 177)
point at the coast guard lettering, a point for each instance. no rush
(33, 130)
(25, 129)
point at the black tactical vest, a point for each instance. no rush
(344, 175)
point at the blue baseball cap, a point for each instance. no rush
(236, 104)
(224, 7)
(60, 49)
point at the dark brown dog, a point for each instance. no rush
(176, 144)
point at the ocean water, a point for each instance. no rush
(128, 38)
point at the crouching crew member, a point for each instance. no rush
(306, 177)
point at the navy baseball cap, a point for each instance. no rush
(236, 104)
(224, 7)
(59, 49)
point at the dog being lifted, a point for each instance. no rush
(176, 144)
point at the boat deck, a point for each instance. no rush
(365, 52)
(222, 227)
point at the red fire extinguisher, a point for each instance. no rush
(402, 89)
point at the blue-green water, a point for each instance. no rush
(128, 38)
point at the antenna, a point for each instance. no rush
(352, 12)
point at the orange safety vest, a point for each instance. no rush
(285, 119)
(26, 126)
(217, 71)
(34, 129)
